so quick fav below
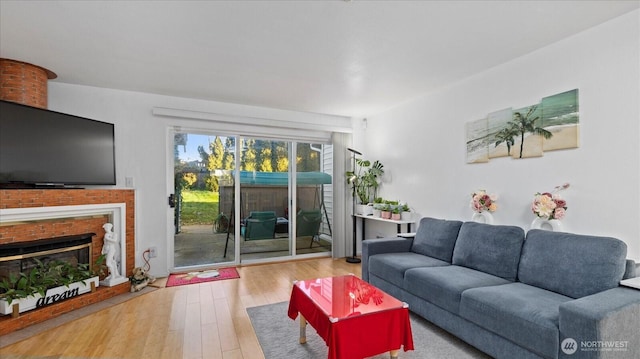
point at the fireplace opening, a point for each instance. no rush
(21, 257)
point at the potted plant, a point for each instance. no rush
(364, 183)
(396, 213)
(385, 211)
(378, 204)
(406, 212)
(47, 283)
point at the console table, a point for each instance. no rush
(363, 219)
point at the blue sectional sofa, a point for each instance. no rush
(543, 295)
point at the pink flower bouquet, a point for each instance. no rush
(481, 201)
(550, 205)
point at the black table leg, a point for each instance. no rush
(353, 258)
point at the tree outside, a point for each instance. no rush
(199, 186)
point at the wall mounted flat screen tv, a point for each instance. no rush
(46, 148)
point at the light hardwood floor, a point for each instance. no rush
(206, 320)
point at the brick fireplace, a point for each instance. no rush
(78, 222)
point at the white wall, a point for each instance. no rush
(422, 142)
(142, 148)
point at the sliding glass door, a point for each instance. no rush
(277, 204)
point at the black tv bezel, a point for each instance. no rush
(18, 184)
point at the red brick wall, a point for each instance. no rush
(60, 227)
(24, 83)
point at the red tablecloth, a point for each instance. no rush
(359, 336)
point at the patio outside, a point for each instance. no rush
(205, 185)
(203, 234)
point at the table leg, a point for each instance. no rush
(303, 329)
(394, 354)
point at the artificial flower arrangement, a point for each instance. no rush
(481, 201)
(550, 205)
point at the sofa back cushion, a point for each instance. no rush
(436, 238)
(571, 264)
(489, 248)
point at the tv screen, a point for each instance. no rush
(47, 148)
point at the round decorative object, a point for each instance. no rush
(546, 224)
(482, 217)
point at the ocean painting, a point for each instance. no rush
(552, 124)
(560, 116)
(477, 141)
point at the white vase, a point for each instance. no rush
(482, 217)
(546, 224)
(406, 216)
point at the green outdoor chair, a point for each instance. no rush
(308, 224)
(260, 225)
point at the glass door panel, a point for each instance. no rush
(203, 190)
(314, 198)
(264, 199)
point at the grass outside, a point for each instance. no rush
(199, 207)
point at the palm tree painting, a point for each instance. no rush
(527, 124)
(503, 134)
(526, 132)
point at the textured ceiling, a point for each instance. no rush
(350, 58)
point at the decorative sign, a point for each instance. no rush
(53, 295)
(57, 297)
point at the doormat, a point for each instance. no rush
(202, 276)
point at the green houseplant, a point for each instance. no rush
(378, 204)
(44, 276)
(396, 213)
(364, 179)
(406, 212)
(385, 211)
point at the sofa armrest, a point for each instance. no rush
(603, 325)
(630, 269)
(407, 234)
(382, 245)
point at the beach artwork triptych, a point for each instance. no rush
(552, 124)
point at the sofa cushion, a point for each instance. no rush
(443, 286)
(571, 264)
(489, 248)
(392, 266)
(436, 238)
(526, 315)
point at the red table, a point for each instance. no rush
(355, 319)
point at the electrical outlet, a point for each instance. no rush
(153, 252)
(128, 182)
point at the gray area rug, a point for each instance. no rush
(278, 336)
